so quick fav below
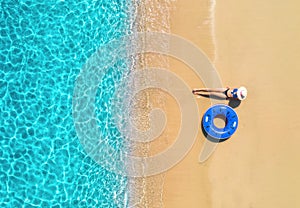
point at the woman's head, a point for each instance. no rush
(242, 93)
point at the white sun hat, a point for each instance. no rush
(242, 93)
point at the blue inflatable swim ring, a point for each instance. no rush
(222, 111)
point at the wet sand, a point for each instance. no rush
(256, 46)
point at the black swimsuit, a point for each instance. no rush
(225, 93)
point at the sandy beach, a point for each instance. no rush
(254, 44)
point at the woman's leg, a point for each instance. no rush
(210, 90)
(218, 94)
(207, 92)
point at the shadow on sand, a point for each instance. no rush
(211, 138)
(234, 103)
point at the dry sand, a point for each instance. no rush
(257, 45)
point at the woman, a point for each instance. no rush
(224, 93)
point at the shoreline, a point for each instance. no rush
(147, 191)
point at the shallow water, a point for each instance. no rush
(43, 47)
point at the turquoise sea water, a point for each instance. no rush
(43, 47)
